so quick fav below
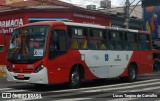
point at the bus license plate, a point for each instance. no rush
(20, 76)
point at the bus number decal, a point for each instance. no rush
(38, 52)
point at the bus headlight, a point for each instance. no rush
(8, 68)
(40, 67)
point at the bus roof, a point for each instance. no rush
(52, 23)
(104, 27)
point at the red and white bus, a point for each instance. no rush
(53, 52)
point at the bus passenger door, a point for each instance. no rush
(57, 44)
(57, 55)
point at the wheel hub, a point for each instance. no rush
(75, 78)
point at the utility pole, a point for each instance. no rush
(127, 15)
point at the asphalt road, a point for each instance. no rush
(146, 88)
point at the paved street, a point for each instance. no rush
(146, 88)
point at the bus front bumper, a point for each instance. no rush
(37, 78)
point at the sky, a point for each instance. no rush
(83, 3)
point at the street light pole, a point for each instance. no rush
(127, 14)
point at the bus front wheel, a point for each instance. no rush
(75, 78)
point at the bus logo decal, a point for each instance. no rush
(106, 57)
(118, 58)
(127, 57)
(95, 57)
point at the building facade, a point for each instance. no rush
(118, 16)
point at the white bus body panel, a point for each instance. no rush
(106, 64)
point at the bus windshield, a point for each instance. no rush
(27, 44)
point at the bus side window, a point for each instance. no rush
(115, 40)
(58, 40)
(78, 38)
(97, 39)
(145, 42)
(54, 41)
(131, 42)
(111, 45)
(112, 40)
(84, 44)
(120, 40)
(104, 44)
(74, 43)
(58, 44)
(62, 40)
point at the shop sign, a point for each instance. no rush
(91, 23)
(84, 16)
(7, 26)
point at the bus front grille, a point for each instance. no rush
(23, 70)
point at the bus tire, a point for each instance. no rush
(75, 78)
(132, 75)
